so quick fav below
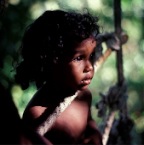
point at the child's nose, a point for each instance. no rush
(88, 66)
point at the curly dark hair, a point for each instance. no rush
(49, 36)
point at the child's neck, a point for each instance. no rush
(60, 90)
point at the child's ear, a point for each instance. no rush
(56, 60)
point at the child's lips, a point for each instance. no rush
(86, 81)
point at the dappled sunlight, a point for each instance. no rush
(37, 9)
(14, 2)
(133, 99)
(16, 93)
(74, 4)
(139, 122)
(95, 4)
(51, 5)
(107, 75)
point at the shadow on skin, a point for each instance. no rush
(11, 128)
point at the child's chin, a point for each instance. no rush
(83, 87)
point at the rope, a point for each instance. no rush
(48, 123)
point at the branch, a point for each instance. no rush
(108, 127)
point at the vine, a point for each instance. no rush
(115, 131)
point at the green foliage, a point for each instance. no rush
(21, 97)
(20, 13)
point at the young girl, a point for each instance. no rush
(59, 51)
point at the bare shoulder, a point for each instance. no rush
(35, 108)
(33, 112)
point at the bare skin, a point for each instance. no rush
(75, 124)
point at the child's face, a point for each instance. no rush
(79, 70)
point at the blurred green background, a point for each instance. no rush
(17, 14)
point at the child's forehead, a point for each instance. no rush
(86, 44)
(89, 42)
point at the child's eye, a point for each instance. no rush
(92, 55)
(79, 58)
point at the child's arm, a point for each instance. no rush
(92, 135)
